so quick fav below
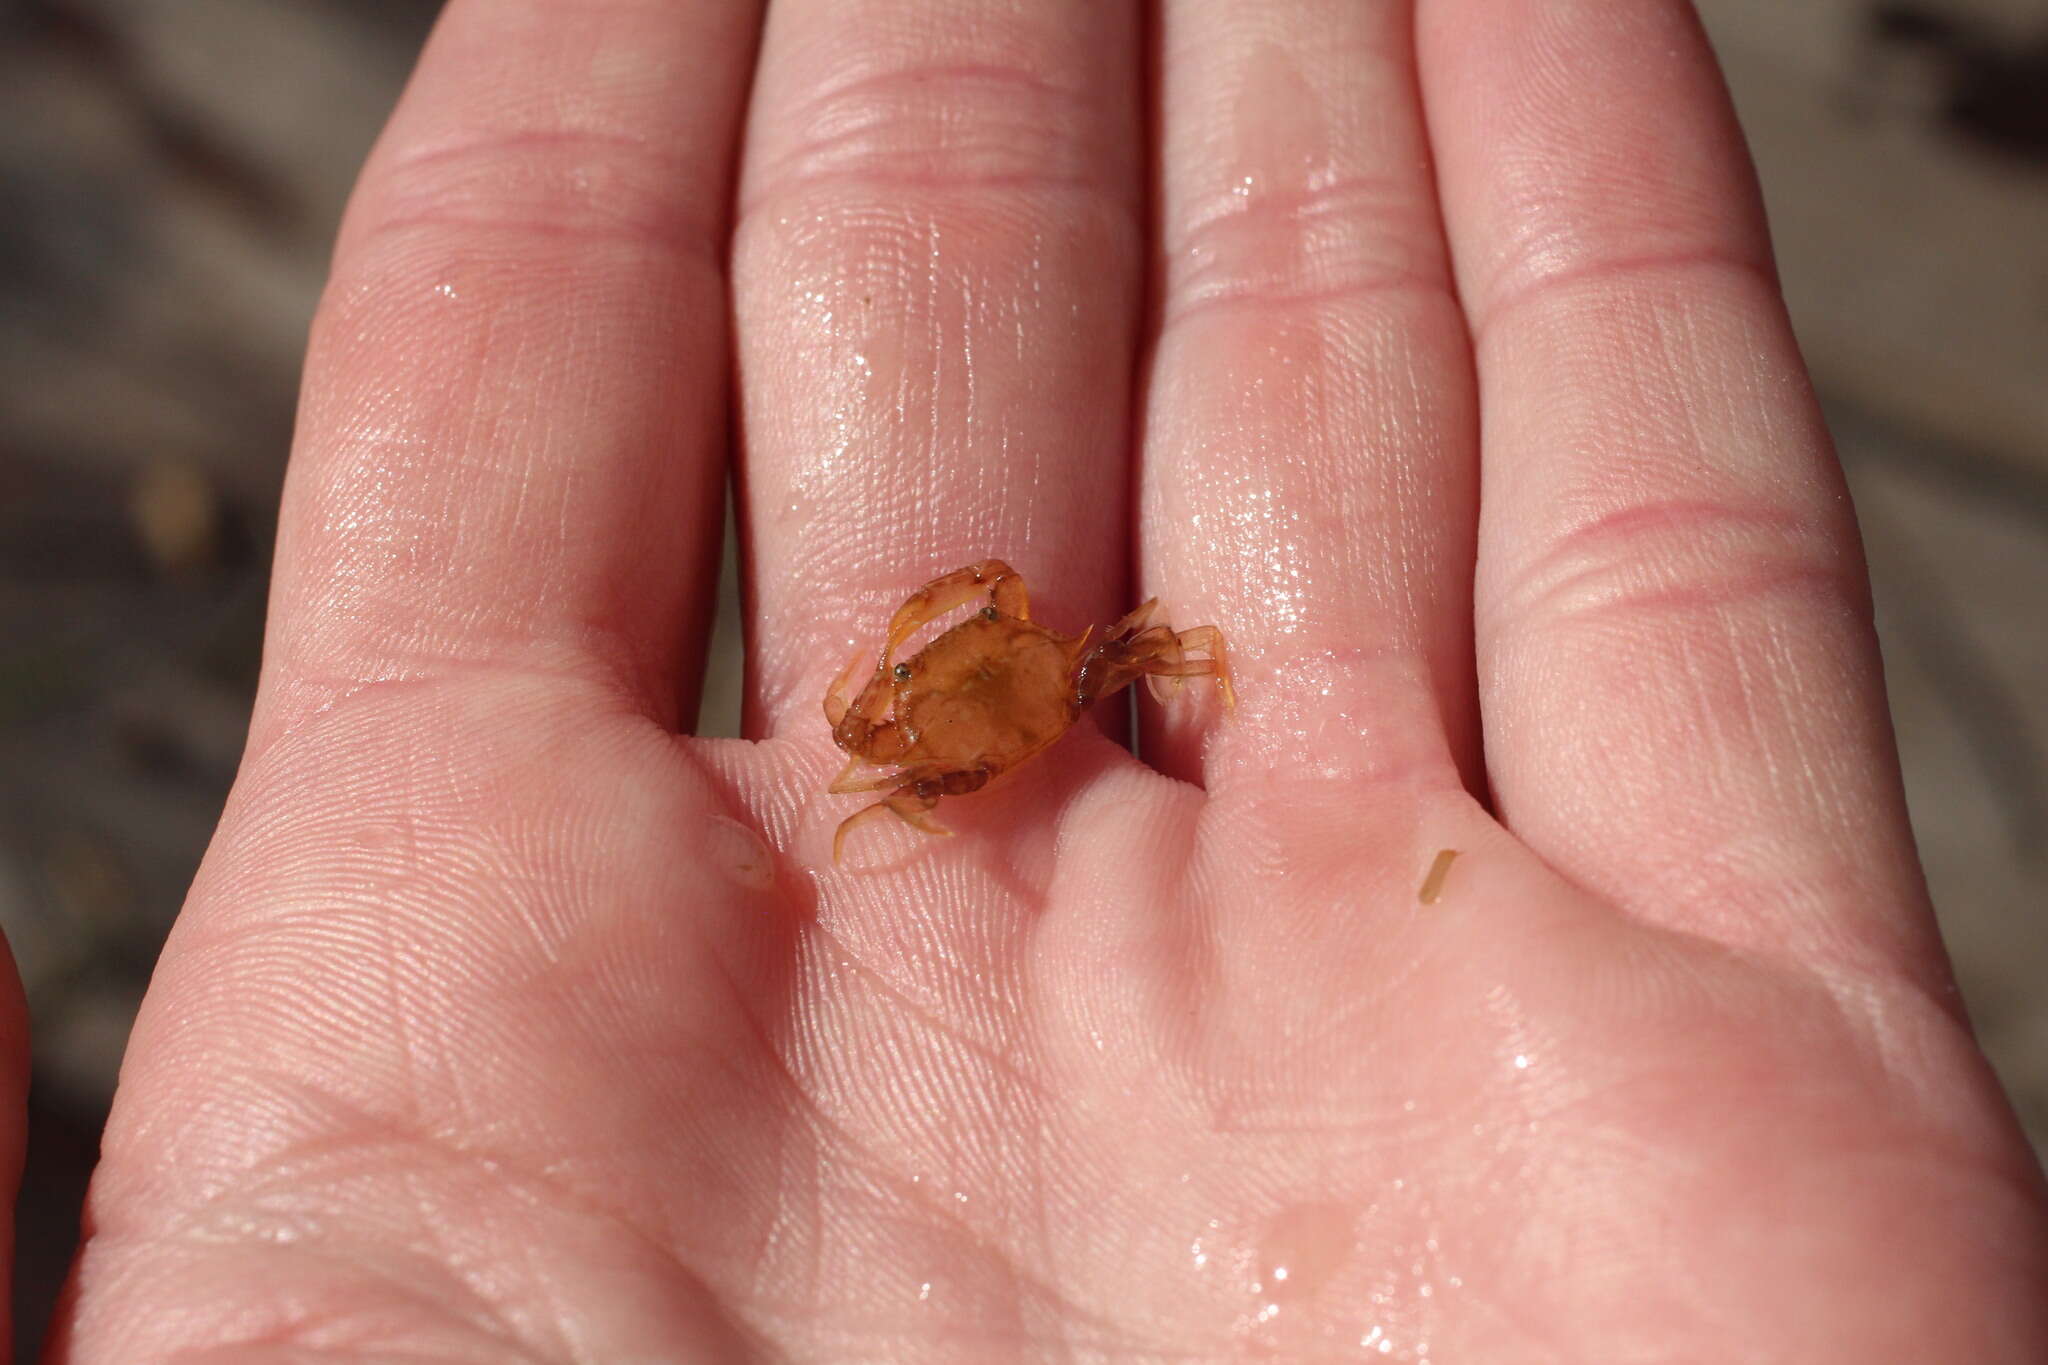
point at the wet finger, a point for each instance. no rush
(936, 277)
(1682, 698)
(511, 443)
(1308, 468)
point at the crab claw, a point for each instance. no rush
(836, 704)
(1134, 622)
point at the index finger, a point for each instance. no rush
(510, 449)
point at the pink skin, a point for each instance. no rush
(502, 1023)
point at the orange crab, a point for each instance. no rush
(988, 694)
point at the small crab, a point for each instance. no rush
(988, 694)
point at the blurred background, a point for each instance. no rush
(170, 178)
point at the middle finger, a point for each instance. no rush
(936, 278)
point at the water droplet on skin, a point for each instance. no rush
(1203, 1250)
(1302, 1247)
(1281, 132)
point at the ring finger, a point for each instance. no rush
(1308, 477)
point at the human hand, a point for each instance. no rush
(1442, 366)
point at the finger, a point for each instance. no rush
(935, 275)
(510, 449)
(1308, 469)
(1677, 669)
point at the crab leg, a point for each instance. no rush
(1134, 650)
(1165, 665)
(931, 782)
(904, 803)
(850, 778)
(911, 802)
(1209, 640)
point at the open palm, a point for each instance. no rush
(1432, 351)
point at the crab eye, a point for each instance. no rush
(903, 672)
(988, 613)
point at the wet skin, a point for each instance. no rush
(1433, 352)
